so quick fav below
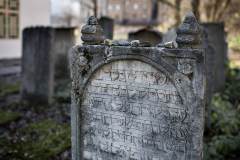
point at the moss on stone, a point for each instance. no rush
(6, 117)
(40, 141)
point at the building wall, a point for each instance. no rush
(31, 13)
(128, 9)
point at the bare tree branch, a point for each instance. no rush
(177, 12)
(168, 3)
(195, 8)
(223, 10)
(85, 4)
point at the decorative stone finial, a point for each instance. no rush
(189, 32)
(92, 33)
(92, 20)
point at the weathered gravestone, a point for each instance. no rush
(216, 37)
(146, 35)
(210, 75)
(64, 39)
(37, 64)
(139, 103)
(108, 26)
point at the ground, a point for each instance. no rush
(39, 132)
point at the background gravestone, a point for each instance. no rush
(217, 39)
(37, 64)
(108, 26)
(170, 35)
(210, 75)
(64, 39)
(146, 35)
(134, 102)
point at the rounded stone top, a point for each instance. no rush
(188, 33)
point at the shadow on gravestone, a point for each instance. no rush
(146, 35)
(37, 64)
(64, 39)
(217, 39)
(108, 26)
(210, 57)
(134, 102)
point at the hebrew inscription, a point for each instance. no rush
(131, 111)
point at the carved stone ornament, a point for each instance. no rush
(92, 32)
(185, 66)
(188, 33)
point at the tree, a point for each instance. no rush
(90, 5)
(176, 6)
(154, 14)
(195, 8)
(215, 9)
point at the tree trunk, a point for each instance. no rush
(95, 8)
(195, 8)
(154, 14)
(177, 12)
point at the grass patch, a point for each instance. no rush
(7, 89)
(234, 42)
(39, 141)
(6, 117)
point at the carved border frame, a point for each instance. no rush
(87, 59)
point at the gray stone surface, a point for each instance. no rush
(210, 75)
(141, 103)
(146, 35)
(216, 37)
(108, 26)
(64, 39)
(170, 35)
(37, 64)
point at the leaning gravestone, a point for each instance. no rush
(37, 64)
(146, 35)
(216, 37)
(108, 26)
(135, 102)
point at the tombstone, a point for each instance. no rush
(64, 40)
(108, 26)
(134, 102)
(210, 76)
(146, 35)
(216, 37)
(37, 64)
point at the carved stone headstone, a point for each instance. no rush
(108, 26)
(37, 64)
(139, 103)
(146, 35)
(216, 37)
